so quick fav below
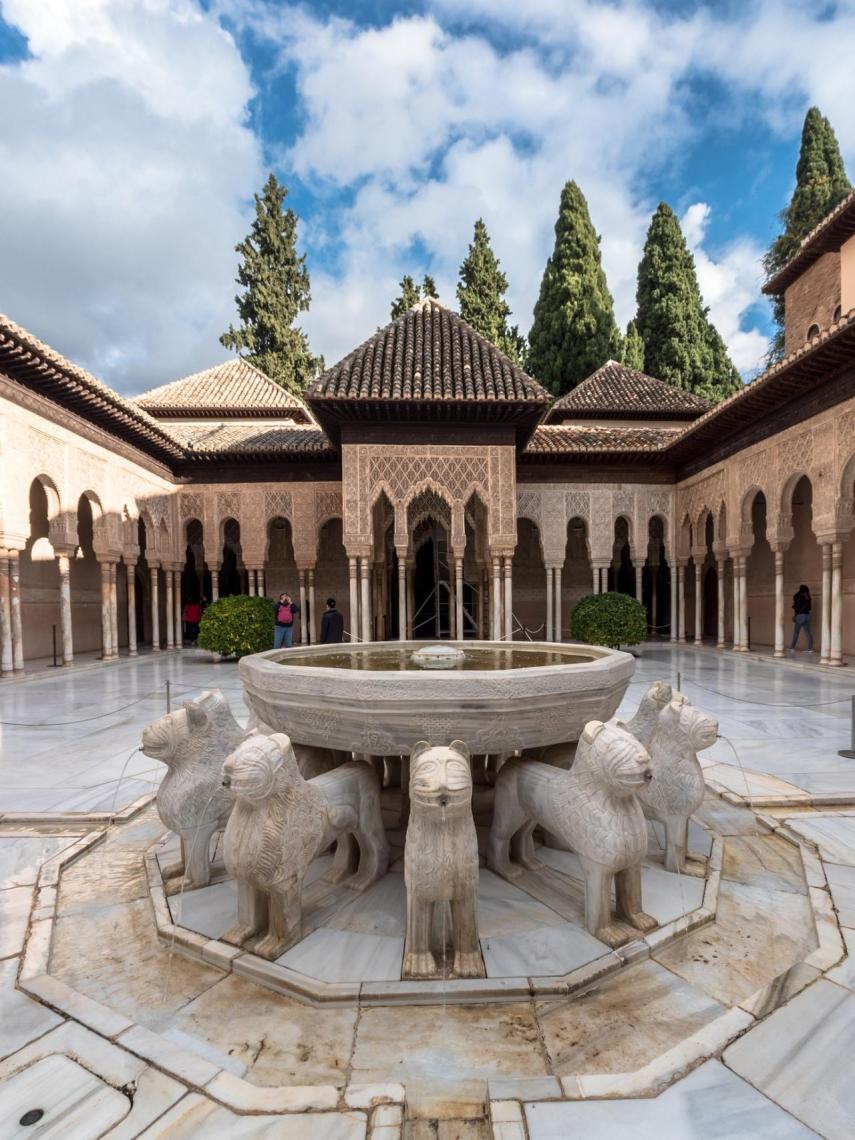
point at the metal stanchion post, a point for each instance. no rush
(679, 681)
(53, 636)
(169, 696)
(849, 753)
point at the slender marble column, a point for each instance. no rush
(106, 627)
(596, 570)
(458, 598)
(6, 659)
(132, 608)
(304, 625)
(699, 603)
(65, 608)
(639, 590)
(779, 603)
(261, 583)
(251, 582)
(170, 610)
(313, 632)
(719, 569)
(403, 590)
(353, 584)
(411, 600)
(825, 647)
(365, 600)
(547, 624)
(675, 628)
(836, 657)
(179, 624)
(215, 583)
(559, 631)
(736, 602)
(114, 611)
(155, 612)
(496, 624)
(743, 603)
(15, 603)
(509, 603)
(681, 600)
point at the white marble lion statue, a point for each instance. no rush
(593, 808)
(280, 823)
(193, 742)
(674, 731)
(441, 859)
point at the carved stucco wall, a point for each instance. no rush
(452, 472)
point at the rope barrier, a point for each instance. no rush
(765, 704)
(81, 720)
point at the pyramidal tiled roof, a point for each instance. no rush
(430, 354)
(234, 388)
(624, 393)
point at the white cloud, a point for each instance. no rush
(127, 163)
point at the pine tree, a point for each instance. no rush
(481, 292)
(275, 283)
(574, 329)
(821, 183)
(681, 346)
(633, 348)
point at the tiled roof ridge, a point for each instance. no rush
(661, 397)
(807, 241)
(75, 374)
(226, 372)
(396, 363)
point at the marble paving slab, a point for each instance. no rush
(74, 1102)
(710, 1102)
(382, 909)
(21, 1018)
(22, 856)
(841, 881)
(544, 951)
(504, 908)
(834, 835)
(844, 974)
(342, 956)
(801, 1057)
(195, 1117)
(207, 910)
(764, 861)
(15, 905)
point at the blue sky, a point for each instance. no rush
(135, 132)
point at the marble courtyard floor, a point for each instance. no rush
(735, 1019)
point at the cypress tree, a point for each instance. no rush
(821, 183)
(574, 329)
(429, 287)
(481, 293)
(633, 348)
(275, 283)
(681, 346)
(409, 296)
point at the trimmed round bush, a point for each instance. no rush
(237, 626)
(609, 619)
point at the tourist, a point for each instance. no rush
(332, 624)
(286, 611)
(801, 617)
(191, 616)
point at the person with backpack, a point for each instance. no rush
(801, 617)
(283, 632)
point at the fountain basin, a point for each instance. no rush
(373, 698)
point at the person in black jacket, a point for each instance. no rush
(801, 617)
(332, 624)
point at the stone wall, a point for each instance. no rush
(812, 299)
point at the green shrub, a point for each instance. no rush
(609, 619)
(234, 627)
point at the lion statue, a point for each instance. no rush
(193, 742)
(312, 759)
(643, 724)
(441, 859)
(594, 810)
(280, 823)
(677, 788)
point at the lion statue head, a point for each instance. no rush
(614, 754)
(700, 728)
(192, 732)
(440, 777)
(252, 769)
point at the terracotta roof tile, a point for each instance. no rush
(217, 440)
(233, 388)
(429, 354)
(564, 439)
(622, 392)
